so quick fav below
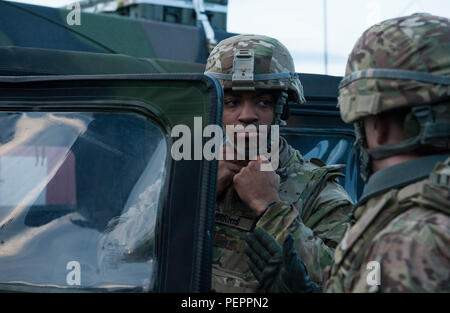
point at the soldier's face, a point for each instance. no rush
(248, 108)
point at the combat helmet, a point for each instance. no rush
(255, 62)
(400, 63)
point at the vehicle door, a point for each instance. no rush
(91, 198)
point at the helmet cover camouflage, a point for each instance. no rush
(270, 57)
(417, 44)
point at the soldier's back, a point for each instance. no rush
(404, 234)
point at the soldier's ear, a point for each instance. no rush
(369, 130)
(377, 131)
(382, 130)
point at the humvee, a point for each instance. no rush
(90, 198)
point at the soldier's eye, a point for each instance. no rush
(265, 102)
(230, 102)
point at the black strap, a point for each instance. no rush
(429, 132)
(400, 175)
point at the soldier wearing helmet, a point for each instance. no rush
(397, 93)
(301, 197)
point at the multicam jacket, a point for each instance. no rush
(313, 209)
(402, 222)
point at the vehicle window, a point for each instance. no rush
(331, 148)
(79, 199)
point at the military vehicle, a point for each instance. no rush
(90, 198)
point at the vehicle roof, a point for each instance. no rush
(110, 44)
(19, 61)
(43, 27)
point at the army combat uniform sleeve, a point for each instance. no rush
(317, 227)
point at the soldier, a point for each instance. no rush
(302, 197)
(396, 92)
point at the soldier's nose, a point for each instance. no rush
(248, 114)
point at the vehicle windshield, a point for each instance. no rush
(79, 198)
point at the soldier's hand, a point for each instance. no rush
(257, 188)
(278, 269)
(226, 172)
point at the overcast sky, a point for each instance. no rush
(299, 24)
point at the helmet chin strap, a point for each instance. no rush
(278, 112)
(279, 108)
(432, 135)
(365, 162)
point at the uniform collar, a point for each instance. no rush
(400, 175)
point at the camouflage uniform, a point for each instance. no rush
(406, 229)
(402, 220)
(313, 205)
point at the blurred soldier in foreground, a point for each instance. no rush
(301, 198)
(397, 92)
